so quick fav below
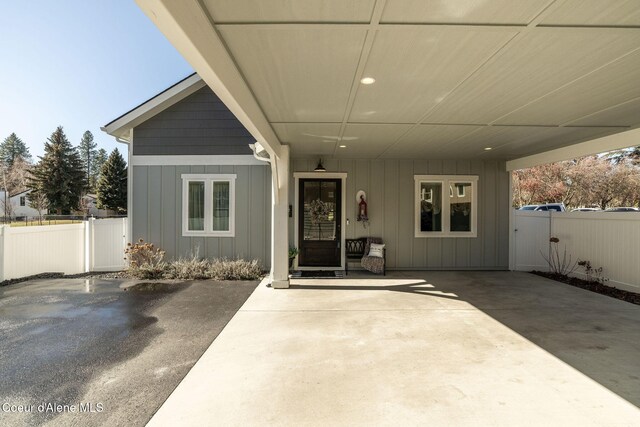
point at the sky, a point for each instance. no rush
(78, 64)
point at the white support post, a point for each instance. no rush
(512, 226)
(125, 234)
(88, 244)
(4, 229)
(130, 189)
(279, 275)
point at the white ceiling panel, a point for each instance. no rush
(308, 138)
(298, 75)
(369, 140)
(531, 67)
(611, 85)
(444, 70)
(428, 141)
(462, 11)
(626, 114)
(562, 137)
(226, 11)
(515, 141)
(416, 67)
(595, 12)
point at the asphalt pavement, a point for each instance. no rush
(87, 352)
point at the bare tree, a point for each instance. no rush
(586, 181)
(39, 202)
(7, 207)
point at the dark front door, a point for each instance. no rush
(319, 222)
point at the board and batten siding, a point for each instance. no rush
(157, 212)
(200, 124)
(389, 185)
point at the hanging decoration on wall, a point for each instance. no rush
(363, 214)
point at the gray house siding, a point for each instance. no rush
(199, 124)
(390, 191)
(157, 212)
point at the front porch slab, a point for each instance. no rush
(436, 348)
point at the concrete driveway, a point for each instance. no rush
(115, 355)
(427, 348)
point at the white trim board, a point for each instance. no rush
(234, 160)
(617, 141)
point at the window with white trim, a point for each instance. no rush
(455, 215)
(208, 205)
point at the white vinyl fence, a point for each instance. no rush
(610, 240)
(93, 245)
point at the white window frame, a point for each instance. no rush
(208, 180)
(446, 181)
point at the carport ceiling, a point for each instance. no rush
(452, 77)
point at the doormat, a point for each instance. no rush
(317, 274)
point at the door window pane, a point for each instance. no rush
(319, 210)
(220, 206)
(196, 206)
(430, 206)
(461, 206)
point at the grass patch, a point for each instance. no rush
(44, 222)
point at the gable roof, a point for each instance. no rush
(28, 190)
(121, 126)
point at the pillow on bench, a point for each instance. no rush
(376, 250)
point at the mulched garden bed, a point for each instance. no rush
(632, 297)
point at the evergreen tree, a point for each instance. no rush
(98, 161)
(87, 151)
(112, 185)
(12, 148)
(59, 175)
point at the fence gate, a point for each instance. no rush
(106, 240)
(531, 236)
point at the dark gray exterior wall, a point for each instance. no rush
(157, 212)
(199, 124)
(391, 207)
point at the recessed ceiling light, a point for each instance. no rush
(367, 80)
(487, 148)
(343, 146)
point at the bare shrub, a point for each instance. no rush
(557, 265)
(188, 269)
(593, 274)
(238, 269)
(141, 253)
(150, 271)
(145, 261)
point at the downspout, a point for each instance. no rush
(129, 230)
(260, 153)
